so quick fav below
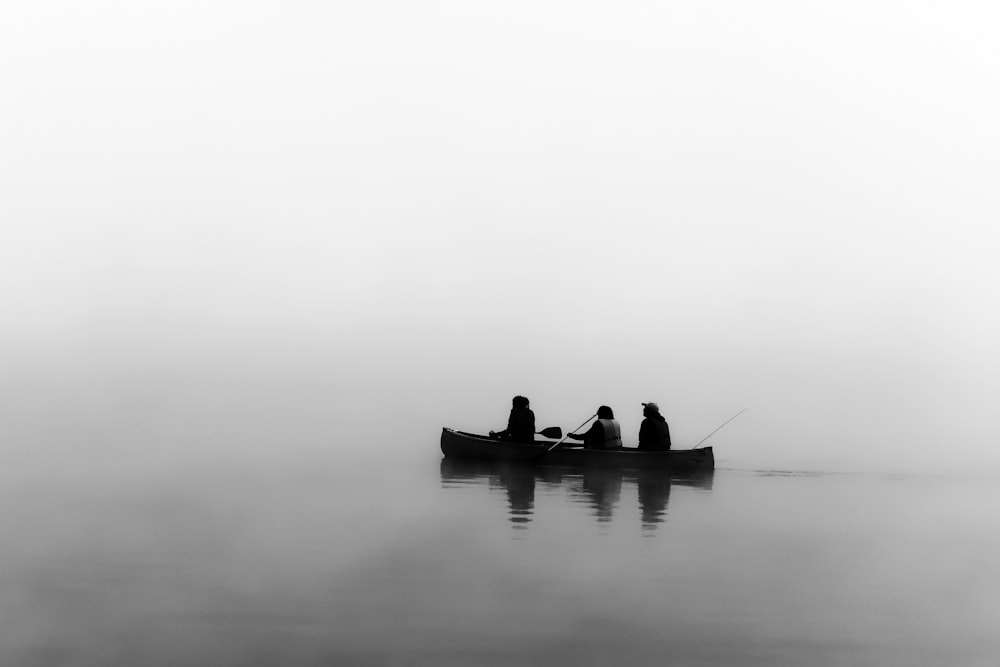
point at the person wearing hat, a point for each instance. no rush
(654, 434)
(520, 424)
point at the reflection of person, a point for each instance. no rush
(520, 424)
(520, 485)
(654, 433)
(605, 433)
(604, 489)
(654, 493)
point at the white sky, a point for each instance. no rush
(784, 205)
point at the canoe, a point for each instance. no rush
(461, 445)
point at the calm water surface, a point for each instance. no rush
(419, 561)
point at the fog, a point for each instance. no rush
(273, 229)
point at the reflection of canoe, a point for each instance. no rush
(462, 471)
(599, 488)
(460, 445)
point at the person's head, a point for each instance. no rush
(520, 402)
(650, 409)
(604, 412)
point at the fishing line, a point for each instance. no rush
(718, 429)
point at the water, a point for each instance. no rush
(411, 560)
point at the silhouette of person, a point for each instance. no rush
(654, 433)
(605, 433)
(520, 424)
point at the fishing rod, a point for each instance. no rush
(720, 428)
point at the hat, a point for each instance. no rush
(652, 406)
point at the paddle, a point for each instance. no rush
(542, 455)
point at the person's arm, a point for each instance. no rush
(507, 431)
(644, 432)
(585, 435)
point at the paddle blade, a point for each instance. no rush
(551, 432)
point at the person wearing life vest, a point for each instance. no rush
(605, 433)
(654, 433)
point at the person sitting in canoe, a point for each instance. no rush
(654, 433)
(605, 433)
(520, 424)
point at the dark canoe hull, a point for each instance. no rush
(461, 445)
